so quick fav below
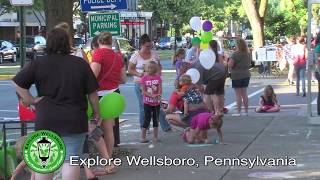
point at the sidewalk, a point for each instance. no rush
(286, 135)
(246, 137)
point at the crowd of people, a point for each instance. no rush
(296, 54)
(66, 81)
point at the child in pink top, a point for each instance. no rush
(197, 133)
(151, 85)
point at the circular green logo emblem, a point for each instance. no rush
(44, 151)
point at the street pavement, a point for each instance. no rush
(286, 134)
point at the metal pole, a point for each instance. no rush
(310, 61)
(139, 24)
(22, 37)
(22, 51)
(4, 150)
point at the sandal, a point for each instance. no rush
(94, 178)
(184, 135)
(144, 141)
(108, 170)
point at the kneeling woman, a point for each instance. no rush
(177, 119)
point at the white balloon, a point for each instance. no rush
(195, 23)
(194, 74)
(207, 58)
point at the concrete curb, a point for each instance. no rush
(6, 77)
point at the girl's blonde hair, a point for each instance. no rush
(105, 38)
(153, 63)
(178, 53)
(185, 79)
(242, 46)
(273, 94)
(216, 121)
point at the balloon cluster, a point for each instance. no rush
(206, 26)
(111, 106)
(207, 57)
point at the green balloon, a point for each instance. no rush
(206, 37)
(111, 106)
(11, 161)
(89, 111)
(195, 41)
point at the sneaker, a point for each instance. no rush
(236, 115)
(304, 95)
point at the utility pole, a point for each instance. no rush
(22, 36)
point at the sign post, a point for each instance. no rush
(21, 4)
(104, 22)
(22, 37)
(103, 5)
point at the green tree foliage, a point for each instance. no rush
(287, 18)
(6, 7)
(165, 10)
(295, 12)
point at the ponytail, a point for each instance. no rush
(214, 46)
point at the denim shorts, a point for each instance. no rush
(191, 115)
(74, 144)
(241, 83)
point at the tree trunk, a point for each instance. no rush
(256, 19)
(57, 12)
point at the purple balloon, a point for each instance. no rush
(207, 25)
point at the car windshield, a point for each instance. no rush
(124, 44)
(166, 39)
(40, 40)
(78, 41)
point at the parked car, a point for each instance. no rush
(78, 42)
(121, 45)
(166, 43)
(7, 51)
(181, 42)
(35, 46)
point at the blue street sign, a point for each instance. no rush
(102, 5)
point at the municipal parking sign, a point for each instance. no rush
(104, 22)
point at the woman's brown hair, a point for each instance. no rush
(58, 42)
(214, 46)
(242, 46)
(105, 38)
(178, 53)
(302, 40)
(144, 39)
(63, 25)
